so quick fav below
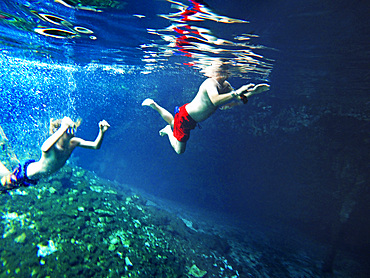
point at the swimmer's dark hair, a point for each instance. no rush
(56, 123)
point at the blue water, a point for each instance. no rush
(293, 159)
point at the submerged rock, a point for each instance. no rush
(103, 231)
(46, 250)
(21, 238)
(196, 272)
(128, 262)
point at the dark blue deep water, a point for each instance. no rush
(292, 165)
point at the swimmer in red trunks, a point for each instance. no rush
(55, 152)
(213, 93)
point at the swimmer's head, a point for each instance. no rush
(217, 69)
(56, 123)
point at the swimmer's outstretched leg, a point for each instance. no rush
(167, 116)
(178, 146)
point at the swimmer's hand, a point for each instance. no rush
(66, 124)
(251, 89)
(259, 88)
(103, 125)
(67, 121)
(243, 89)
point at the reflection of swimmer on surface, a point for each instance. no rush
(197, 11)
(192, 39)
(213, 93)
(55, 152)
(198, 34)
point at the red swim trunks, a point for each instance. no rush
(183, 124)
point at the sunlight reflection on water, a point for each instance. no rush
(185, 33)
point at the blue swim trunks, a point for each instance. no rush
(18, 178)
(21, 174)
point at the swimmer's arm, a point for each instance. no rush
(95, 145)
(55, 137)
(243, 90)
(220, 99)
(216, 98)
(232, 103)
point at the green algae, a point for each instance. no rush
(88, 227)
(196, 272)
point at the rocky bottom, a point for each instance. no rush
(78, 225)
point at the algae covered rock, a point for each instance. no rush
(90, 227)
(21, 238)
(196, 272)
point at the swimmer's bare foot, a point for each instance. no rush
(257, 89)
(165, 131)
(148, 102)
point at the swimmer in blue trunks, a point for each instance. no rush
(213, 93)
(55, 152)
